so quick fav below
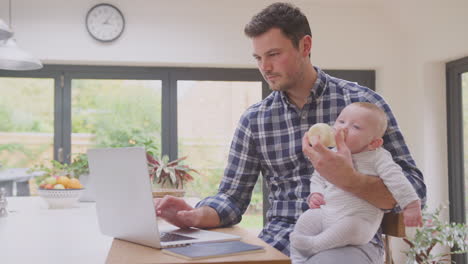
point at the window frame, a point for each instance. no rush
(455, 148)
(63, 74)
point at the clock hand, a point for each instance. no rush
(106, 22)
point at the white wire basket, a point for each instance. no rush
(60, 198)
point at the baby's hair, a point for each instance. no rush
(380, 114)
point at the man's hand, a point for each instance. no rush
(316, 200)
(336, 167)
(177, 212)
(412, 214)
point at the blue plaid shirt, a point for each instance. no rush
(268, 140)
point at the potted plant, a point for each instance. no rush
(79, 165)
(168, 177)
(436, 232)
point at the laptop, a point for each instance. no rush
(124, 202)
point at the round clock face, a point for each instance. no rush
(105, 22)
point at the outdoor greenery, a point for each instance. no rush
(123, 113)
(32, 114)
(115, 113)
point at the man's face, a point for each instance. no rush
(362, 126)
(280, 63)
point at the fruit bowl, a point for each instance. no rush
(60, 198)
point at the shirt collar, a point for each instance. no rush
(320, 84)
(317, 89)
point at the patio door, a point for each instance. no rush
(457, 142)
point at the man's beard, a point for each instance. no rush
(280, 87)
(288, 83)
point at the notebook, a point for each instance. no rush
(124, 201)
(212, 250)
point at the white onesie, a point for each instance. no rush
(345, 219)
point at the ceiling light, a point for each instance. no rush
(11, 56)
(14, 58)
(5, 31)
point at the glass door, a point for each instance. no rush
(26, 129)
(115, 113)
(207, 116)
(457, 142)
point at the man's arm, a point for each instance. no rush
(373, 190)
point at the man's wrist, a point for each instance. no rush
(207, 217)
(355, 183)
(372, 189)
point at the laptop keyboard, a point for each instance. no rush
(170, 237)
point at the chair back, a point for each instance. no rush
(392, 225)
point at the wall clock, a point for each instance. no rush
(105, 22)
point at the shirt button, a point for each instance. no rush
(304, 116)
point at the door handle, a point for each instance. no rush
(60, 155)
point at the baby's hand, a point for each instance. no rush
(412, 214)
(315, 200)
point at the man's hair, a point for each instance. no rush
(381, 115)
(292, 22)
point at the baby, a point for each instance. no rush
(337, 218)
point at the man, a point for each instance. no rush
(270, 138)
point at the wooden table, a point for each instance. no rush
(126, 252)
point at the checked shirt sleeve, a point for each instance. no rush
(239, 178)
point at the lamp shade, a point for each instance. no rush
(5, 31)
(14, 58)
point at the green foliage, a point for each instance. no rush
(172, 173)
(54, 168)
(12, 147)
(128, 137)
(124, 113)
(79, 165)
(32, 110)
(76, 168)
(436, 232)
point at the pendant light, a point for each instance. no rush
(5, 31)
(11, 56)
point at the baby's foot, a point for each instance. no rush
(303, 244)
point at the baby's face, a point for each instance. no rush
(362, 126)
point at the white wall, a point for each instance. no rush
(407, 42)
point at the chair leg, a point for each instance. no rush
(8, 185)
(22, 188)
(388, 251)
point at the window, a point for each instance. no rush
(457, 139)
(207, 115)
(184, 111)
(26, 121)
(74, 108)
(115, 113)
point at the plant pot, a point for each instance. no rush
(160, 193)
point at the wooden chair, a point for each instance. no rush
(392, 226)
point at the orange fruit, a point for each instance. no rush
(64, 180)
(74, 184)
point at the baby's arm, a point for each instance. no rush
(317, 186)
(401, 189)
